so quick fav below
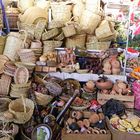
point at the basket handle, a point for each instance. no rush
(25, 38)
(24, 105)
(70, 21)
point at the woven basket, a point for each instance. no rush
(89, 21)
(69, 30)
(50, 34)
(104, 30)
(91, 39)
(98, 46)
(5, 138)
(55, 24)
(61, 11)
(22, 109)
(60, 37)
(2, 43)
(77, 41)
(51, 45)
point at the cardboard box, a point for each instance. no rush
(66, 136)
(118, 135)
(127, 100)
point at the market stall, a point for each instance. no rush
(69, 70)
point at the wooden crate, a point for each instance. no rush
(127, 100)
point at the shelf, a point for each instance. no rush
(85, 77)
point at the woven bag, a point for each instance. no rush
(15, 42)
(55, 24)
(104, 30)
(91, 39)
(50, 34)
(22, 110)
(61, 11)
(25, 4)
(60, 37)
(92, 5)
(2, 43)
(51, 45)
(89, 21)
(98, 46)
(77, 41)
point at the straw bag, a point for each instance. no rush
(61, 11)
(51, 45)
(77, 41)
(78, 9)
(2, 43)
(104, 30)
(60, 37)
(91, 39)
(92, 5)
(33, 15)
(69, 30)
(50, 34)
(89, 21)
(21, 110)
(43, 4)
(25, 4)
(13, 44)
(55, 24)
(98, 46)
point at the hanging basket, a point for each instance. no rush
(55, 24)
(77, 41)
(60, 37)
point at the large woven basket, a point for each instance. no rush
(61, 11)
(51, 45)
(98, 46)
(22, 109)
(50, 34)
(104, 30)
(77, 41)
(55, 24)
(2, 43)
(89, 21)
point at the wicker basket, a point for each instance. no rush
(61, 11)
(60, 37)
(50, 34)
(89, 21)
(98, 46)
(55, 24)
(91, 39)
(77, 41)
(51, 45)
(104, 30)
(22, 109)
(2, 43)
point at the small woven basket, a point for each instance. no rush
(77, 41)
(51, 45)
(55, 24)
(2, 43)
(98, 46)
(60, 37)
(50, 34)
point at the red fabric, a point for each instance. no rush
(137, 32)
(139, 3)
(132, 17)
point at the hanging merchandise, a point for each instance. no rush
(43, 4)
(25, 4)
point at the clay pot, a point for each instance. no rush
(101, 116)
(77, 114)
(94, 118)
(122, 85)
(115, 64)
(70, 121)
(86, 123)
(81, 124)
(104, 84)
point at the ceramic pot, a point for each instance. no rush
(94, 118)
(108, 84)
